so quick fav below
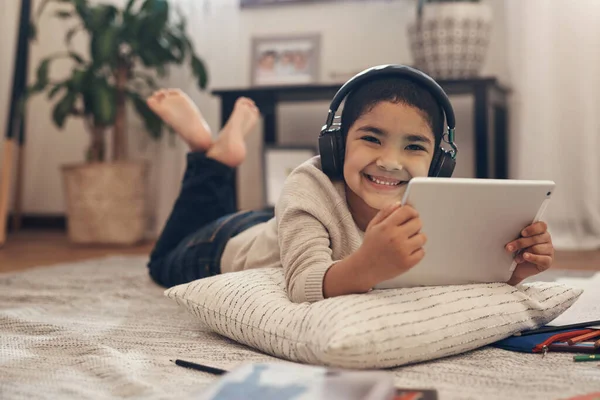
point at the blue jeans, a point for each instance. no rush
(203, 219)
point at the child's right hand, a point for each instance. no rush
(393, 242)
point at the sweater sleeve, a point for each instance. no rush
(305, 254)
(305, 213)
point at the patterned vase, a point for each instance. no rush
(450, 40)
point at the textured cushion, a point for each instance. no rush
(379, 329)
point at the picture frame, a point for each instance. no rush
(278, 163)
(285, 60)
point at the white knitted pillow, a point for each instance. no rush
(379, 329)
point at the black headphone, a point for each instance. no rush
(332, 142)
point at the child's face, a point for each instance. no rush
(385, 148)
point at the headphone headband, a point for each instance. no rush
(399, 71)
(332, 142)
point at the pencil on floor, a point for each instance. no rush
(591, 357)
(199, 367)
(583, 338)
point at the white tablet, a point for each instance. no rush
(468, 222)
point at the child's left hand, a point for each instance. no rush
(536, 252)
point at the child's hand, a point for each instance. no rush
(393, 242)
(536, 252)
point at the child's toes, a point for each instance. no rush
(152, 101)
(157, 98)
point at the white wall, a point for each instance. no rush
(353, 36)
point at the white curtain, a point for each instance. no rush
(554, 62)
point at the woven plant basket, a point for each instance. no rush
(106, 202)
(451, 41)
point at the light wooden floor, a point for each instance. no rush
(28, 249)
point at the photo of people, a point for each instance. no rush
(280, 61)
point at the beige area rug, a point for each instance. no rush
(102, 329)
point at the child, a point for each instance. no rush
(331, 237)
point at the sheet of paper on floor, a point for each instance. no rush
(584, 309)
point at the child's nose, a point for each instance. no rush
(389, 163)
(390, 159)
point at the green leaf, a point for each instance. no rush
(43, 72)
(154, 54)
(164, 50)
(104, 105)
(63, 14)
(199, 71)
(88, 99)
(76, 57)
(84, 11)
(101, 16)
(156, 16)
(104, 46)
(152, 122)
(55, 90)
(177, 47)
(63, 108)
(129, 6)
(78, 79)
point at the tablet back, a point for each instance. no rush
(467, 223)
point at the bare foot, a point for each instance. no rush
(176, 109)
(230, 148)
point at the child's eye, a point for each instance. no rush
(371, 139)
(415, 147)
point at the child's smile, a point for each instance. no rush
(385, 148)
(380, 182)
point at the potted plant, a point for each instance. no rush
(129, 48)
(449, 38)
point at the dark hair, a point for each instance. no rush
(394, 90)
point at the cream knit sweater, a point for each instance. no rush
(311, 230)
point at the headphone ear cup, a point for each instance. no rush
(434, 167)
(442, 165)
(446, 166)
(341, 152)
(330, 147)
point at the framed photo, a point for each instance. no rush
(278, 163)
(285, 60)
